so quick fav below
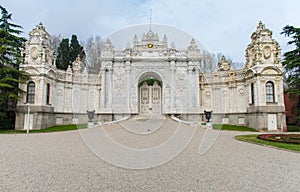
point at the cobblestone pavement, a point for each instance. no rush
(63, 162)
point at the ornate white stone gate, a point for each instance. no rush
(122, 71)
(150, 98)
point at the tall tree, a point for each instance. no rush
(63, 55)
(291, 63)
(11, 45)
(68, 52)
(75, 49)
(93, 48)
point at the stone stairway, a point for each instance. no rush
(149, 116)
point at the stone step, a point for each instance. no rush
(149, 116)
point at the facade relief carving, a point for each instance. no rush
(180, 84)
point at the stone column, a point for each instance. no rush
(173, 85)
(68, 98)
(44, 55)
(41, 93)
(84, 102)
(109, 90)
(128, 87)
(103, 89)
(197, 89)
(190, 88)
(260, 92)
(232, 100)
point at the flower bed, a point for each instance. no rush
(283, 138)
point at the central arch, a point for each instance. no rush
(150, 93)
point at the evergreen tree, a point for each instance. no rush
(291, 64)
(75, 49)
(10, 58)
(11, 43)
(68, 52)
(63, 55)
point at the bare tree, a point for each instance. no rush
(217, 56)
(55, 41)
(234, 64)
(93, 48)
(237, 65)
(208, 63)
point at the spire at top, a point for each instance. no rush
(150, 19)
(260, 26)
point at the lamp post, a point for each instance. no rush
(28, 117)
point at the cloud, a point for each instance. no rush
(221, 26)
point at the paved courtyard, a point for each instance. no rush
(62, 161)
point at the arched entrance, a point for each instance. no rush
(150, 94)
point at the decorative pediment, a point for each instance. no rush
(51, 74)
(107, 45)
(263, 50)
(149, 43)
(150, 37)
(107, 51)
(32, 71)
(271, 71)
(249, 73)
(39, 35)
(193, 50)
(76, 65)
(224, 64)
(38, 50)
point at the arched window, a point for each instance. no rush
(48, 94)
(30, 92)
(252, 93)
(270, 92)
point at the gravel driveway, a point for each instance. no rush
(63, 162)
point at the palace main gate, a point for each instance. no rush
(150, 98)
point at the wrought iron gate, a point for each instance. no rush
(150, 98)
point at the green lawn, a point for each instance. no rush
(292, 128)
(254, 139)
(232, 127)
(49, 129)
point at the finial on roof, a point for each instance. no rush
(150, 19)
(173, 45)
(69, 68)
(128, 45)
(260, 26)
(135, 38)
(165, 39)
(40, 26)
(224, 64)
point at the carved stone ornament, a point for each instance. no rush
(224, 65)
(267, 52)
(34, 53)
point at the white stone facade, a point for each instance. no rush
(180, 87)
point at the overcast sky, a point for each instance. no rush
(220, 25)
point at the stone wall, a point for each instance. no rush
(41, 117)
(185, 89)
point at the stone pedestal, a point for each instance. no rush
(209, 125)
(91, 124)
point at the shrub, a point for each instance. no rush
(293, 128)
